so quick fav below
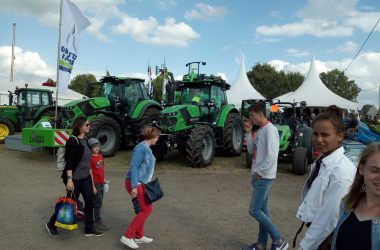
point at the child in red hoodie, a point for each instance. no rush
(97, 169)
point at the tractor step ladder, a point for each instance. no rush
(14, 142)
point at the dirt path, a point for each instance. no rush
(202, 208)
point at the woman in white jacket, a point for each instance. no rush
(331, 176)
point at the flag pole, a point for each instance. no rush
(13, 51)
(58, 49)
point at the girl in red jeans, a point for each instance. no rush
(141, 170)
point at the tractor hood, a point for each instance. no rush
(178, 117)
(87, 107)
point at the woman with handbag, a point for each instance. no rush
(77, 176)
(359, 219)
(141, 170)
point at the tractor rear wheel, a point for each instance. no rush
(200, 146)
(300, 161)
(233, 135)
(108, 132)
(6, 128)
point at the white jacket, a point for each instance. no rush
(320, 204)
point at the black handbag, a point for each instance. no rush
(152, 191)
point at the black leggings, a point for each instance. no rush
(84, 187)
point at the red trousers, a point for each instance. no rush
(136, 227)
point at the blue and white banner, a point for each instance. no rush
(72, 24)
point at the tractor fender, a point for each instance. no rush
(44, 109)
(225, 110)
(142, 106)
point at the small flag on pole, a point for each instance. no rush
(72, 23)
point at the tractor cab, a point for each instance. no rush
(30, 101)
(123, 93)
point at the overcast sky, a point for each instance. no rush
(126, 35)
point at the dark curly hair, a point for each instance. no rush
(77, 124)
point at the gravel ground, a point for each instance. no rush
(202, 208)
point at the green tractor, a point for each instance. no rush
(27, 108)
(122, 107)
(295, 135)
(201, 122)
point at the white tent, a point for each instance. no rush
(242, 89)
(315, 93)
(62, 99)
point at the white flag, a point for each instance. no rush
(72, 24)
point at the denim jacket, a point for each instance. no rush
(375, 229)
(141, 166)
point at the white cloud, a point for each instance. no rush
(275, 14)
(327, 9)
(297, 53)
(151, 32)
(325, 18)
(165, 4)
(29, 67)
(349, 47)
(314, 27)
(364, 71)
(206, 12)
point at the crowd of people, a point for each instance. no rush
(340, 203)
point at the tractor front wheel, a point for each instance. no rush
(200, 146)
(150, 115)
(233, 135)
(300, 161)
(6, 128)
(108, 132)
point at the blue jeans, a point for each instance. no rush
(258, 209)
(98, 201)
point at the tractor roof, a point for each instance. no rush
(207, 81)
(34, 89)
(120, 79)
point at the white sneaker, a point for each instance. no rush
(143, 240)
(129, 242)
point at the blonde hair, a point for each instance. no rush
(355, 194)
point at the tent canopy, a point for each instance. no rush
(315, 93)
(242, 89)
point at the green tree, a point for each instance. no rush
(366, 108)
(157, 88)
(339, 83)
(271, 83)
(79, 84)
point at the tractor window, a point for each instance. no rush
(44, 98)
(31, 98)
(110, 90)
(198, 95)
(218, 96)
(134, 92)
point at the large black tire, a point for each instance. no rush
(307, 142)
(108, 132)
(233, 135)
(248, 159)
(200, 146)
(300, 161)
(150, 115)
(6, 128)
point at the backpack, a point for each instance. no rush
(61, 162)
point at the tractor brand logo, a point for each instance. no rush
(37, 139)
